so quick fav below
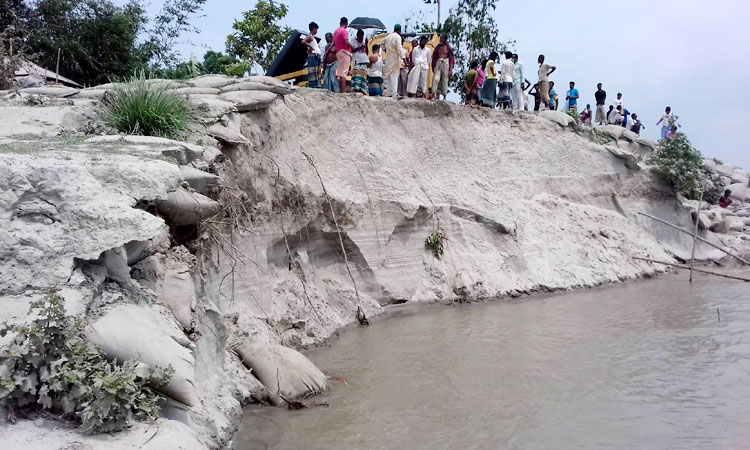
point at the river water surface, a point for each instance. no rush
(639, 365)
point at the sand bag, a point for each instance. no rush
(613, 131)
(211, 81)
(740, 191)
(226, 135)
(247, 86)
(90, 93)
(558, 117)
(197, 90)
(178, 293)
(186, 208)
(282, 369)
(50, 91)
(210, 106)
(131, 332)
(278, 86)
(199, 180)
(249, 100)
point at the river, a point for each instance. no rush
(648, 364)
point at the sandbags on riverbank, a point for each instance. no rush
(130, 332)
(287, 374)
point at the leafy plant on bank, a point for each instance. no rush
(50, 365)
(141, 107)
(680, 164)
(436, 244)
(714, 187)
(574, 114)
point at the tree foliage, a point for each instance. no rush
(257, 38)
(49, 364)
(96, 39)
(170, 24)
(472, 33)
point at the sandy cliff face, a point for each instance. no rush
(526, 204)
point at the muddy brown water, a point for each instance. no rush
(639, 365)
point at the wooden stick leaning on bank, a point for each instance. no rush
(697, 221)
(683, 266)
(739, 258)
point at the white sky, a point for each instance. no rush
(688, 54)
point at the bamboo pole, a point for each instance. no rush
(683, 266)
(739, 258)
(697, 221)
(57, 68)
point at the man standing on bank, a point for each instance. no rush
(572, 97)
(601, 100)
(313, 57)
(442, 67)
(343, 53)
(421, 57)
(394, 56)
(545, 70)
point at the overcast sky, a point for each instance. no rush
(688, 54)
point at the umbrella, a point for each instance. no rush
(363, 23)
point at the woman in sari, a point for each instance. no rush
(488, 93)
(360, 61)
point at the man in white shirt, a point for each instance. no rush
(394, 54)
(506, 78)
(421, 57)
(520, 83)
(545, 70)
(618, 101)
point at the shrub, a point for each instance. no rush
(574, 114)
(435, 244)
(138, 107)
(714, 187)
(680, 164)
(50, 365)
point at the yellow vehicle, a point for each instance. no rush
(291, 64)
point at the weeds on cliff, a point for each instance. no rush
(574, 114)
(138, 107)
(435, 243)
(49, 365)
(680, 164)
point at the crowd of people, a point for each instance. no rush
(493, 83)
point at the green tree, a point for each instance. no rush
(216, 62)
(95, 38)
(472, 33)
(416, 22)
(257, 38)
(172, 22)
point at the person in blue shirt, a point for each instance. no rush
(572, 97)
(552, 96)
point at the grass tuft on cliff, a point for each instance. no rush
(138, 107)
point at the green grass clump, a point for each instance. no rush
(138, 107)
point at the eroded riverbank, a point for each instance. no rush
(635, 365)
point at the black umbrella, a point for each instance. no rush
(364, 23)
